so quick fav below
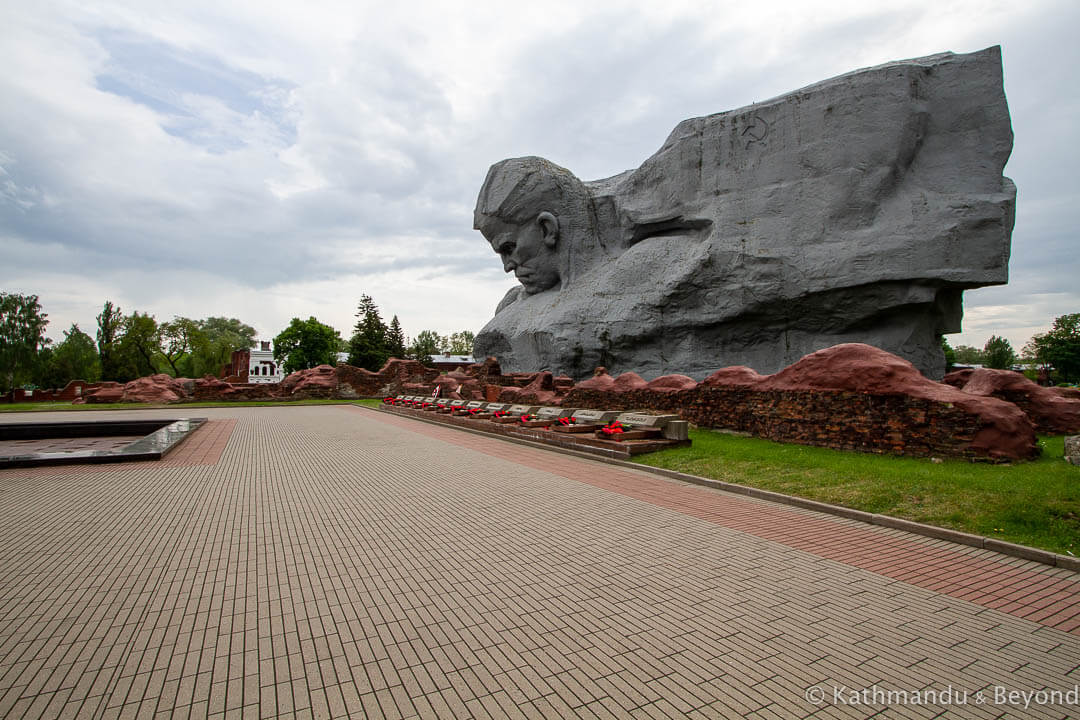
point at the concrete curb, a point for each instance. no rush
(1044, 557)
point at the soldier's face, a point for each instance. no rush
(528, 250)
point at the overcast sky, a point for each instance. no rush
(274, 160)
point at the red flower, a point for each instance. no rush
(500, 413)
(567, 421)
(527, 418)
(612, 429)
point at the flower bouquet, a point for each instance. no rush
(614, 428)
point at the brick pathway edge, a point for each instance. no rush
(1025, 552)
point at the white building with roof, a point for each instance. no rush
(262, 368)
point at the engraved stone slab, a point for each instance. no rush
(643, 420)
(595, 416)
(552, 413)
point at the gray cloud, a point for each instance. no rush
(203, 100)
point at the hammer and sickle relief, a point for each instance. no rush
(756, 131)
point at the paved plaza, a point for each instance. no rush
(337, 561)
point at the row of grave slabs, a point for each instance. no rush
(72, 443)
(576, 429)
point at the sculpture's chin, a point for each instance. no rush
(534, 288)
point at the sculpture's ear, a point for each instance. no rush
(549, 226)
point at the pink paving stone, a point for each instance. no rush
(918, 564)
(334, 559)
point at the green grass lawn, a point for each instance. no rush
(1032, 503)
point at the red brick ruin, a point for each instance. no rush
(850, 397)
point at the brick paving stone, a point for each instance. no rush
(341, 562)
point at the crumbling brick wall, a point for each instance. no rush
(892, 424)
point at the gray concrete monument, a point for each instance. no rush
(855, 210)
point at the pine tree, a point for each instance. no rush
(368, 347)
(395, 339)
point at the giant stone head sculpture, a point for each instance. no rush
(857, 209)
(535, 215)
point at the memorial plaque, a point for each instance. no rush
(551, 413)
(595, 416)
(474, 404)
(643, 420)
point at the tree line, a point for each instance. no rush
(126, 346)
(1055, 352)
(129, 346)
(307, 343)
(374, 342)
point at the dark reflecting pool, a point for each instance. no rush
(67, 443)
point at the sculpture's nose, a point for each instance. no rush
(509, 264)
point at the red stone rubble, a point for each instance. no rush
(851, 396)
(1052, 410)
